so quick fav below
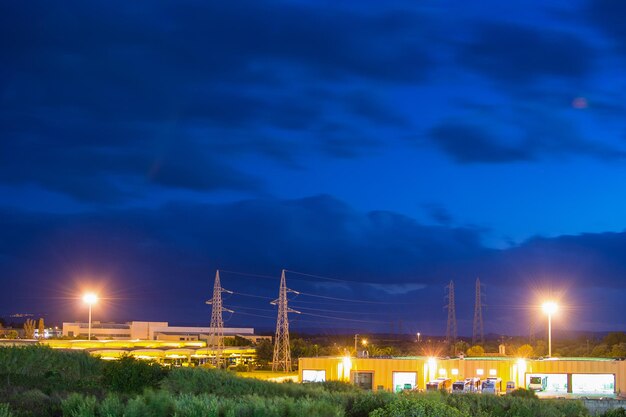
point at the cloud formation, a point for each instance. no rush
(160, 262)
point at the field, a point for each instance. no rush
(39, 381)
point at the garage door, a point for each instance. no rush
(548, 383)
(603, 384)
(404, 381)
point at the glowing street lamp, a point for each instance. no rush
(549, 307)
(90, 299)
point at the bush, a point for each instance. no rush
(618, 412)
(33, 403)
(77, 405)
(523, 393)
(132, 376)
(111, 406)
(196, 406)
(48, 370)
(225, 384)
(363, 404)
(5, 410)
(418, 406)
(151, 404)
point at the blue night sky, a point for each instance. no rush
(391, 146)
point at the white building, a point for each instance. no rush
(151, 330)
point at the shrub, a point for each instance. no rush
(617, 412)
(33, 403)
(418, 406)
(196, 406)
(131, 376)
(362, 404)
(77, 405)
(5, 410)
(225, 384)
(151, 404)
(111, 406)
(523, 393)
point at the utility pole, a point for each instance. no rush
(451, 329)
(216, 330)
(478, 335)
(282, 350)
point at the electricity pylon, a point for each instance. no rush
(282, 350)
(478, 335)
(451, 329)
(216, 330)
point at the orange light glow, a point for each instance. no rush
(90, 298)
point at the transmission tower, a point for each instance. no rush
(216, 330)
(451, 329)
(282, 351)
(478, 335)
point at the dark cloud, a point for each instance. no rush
(84, 84)
(114, 172)
(161, 262)
(470, 144)
(155, 250)
(516, 54)
(438, 213)
(607, 16)
(536, 134)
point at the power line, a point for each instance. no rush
(338, 311)
(250, 274)
(252, 295)
(345, 319)
(254, 315)
(350, 300)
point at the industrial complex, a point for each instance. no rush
(555, 376)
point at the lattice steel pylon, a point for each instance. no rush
(216, 330)
(478, 335)
(282, 350)
(451, 328)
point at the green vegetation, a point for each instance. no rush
(41, 382)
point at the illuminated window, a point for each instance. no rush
(479, 372)
(312, 375)
(493, 372)
(442, 372)
(455, 371)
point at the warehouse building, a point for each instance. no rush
(151, 330)
(554, 377)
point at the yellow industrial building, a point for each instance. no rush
(556, 376)
(162, 351)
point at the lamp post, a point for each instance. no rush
(549, 307)
(90, 299)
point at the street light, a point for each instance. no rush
(90, 298)
(549, 307)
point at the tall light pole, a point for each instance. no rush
(90, 298)
(356, 338)
(549, 307)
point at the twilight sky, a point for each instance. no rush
(391, 146)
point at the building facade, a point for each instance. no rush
(557, 376)
(151, 330)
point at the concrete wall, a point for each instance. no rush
(597, 407)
